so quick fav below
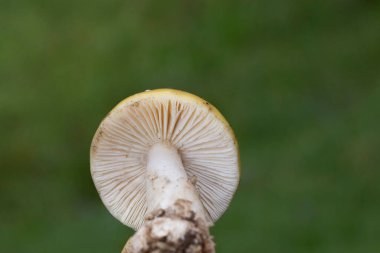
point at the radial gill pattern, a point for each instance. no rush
(203, 138)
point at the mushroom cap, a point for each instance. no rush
(203, 138)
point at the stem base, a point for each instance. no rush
(175, 229)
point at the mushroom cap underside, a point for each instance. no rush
(203, 138)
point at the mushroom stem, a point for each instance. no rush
(167, 181)
(176, 220)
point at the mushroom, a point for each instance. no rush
(161, 154)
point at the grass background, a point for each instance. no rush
(299, 81)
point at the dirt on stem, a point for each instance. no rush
(173, 230)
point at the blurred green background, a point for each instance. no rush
(299, 81)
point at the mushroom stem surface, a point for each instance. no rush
(168, 182)
(176, 220)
